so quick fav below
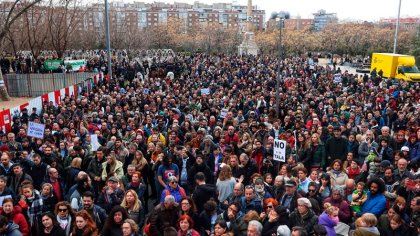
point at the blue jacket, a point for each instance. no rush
(374, 204)
(255, 205)
(178, 193)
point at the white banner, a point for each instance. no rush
(36, 130)
(279, 150)
(94, 142)
(205, 91)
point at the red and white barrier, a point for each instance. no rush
(56, 97)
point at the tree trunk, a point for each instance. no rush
(3, 90)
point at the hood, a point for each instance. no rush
(325, 220)
(12, 227)
(371, 229)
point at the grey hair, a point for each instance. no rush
(257, 225)
(169, 199)
(339, 189)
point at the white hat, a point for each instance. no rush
(405, 148)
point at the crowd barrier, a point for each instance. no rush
(33, 85)
(55, 97)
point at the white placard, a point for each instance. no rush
(223, 113)
(337, 78)
(279, 150)
(205, 91)
(36, 130)
(94, 142)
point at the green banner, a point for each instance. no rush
(75, 64)
(52, 64)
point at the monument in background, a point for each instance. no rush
(248, 45)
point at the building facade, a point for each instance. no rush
(322, 19)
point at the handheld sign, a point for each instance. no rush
(205, 91)
(36, 130)
(223, 113)
(94, 142)
(279, 150)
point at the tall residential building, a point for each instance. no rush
(409, 23)
(322, 19)
(140, 15)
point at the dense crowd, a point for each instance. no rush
(192, 154)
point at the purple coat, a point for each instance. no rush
(328, 223)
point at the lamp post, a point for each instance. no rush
(397, 28)
(281, 16)
(108, 39)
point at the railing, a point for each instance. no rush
(33, 85)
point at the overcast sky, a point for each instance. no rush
(370, 10)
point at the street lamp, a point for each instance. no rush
(108, 39)
(397, 27)
(281, 16)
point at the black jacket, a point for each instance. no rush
(202, 194)
(336, 148)
(199, 168)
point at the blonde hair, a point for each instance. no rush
(225, 173)
(370, 219)
(137, 204)
(76, 162)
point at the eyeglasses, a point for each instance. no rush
(62, 210)
(311, 190)
(266, 207)
(185, 203)
(249, 187)
(174, 182)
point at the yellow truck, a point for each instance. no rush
(395, 66)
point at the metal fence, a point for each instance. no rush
(33, 85)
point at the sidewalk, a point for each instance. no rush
(14, 101)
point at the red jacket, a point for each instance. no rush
(232, 138)
(18, 218)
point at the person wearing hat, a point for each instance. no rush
(304, 216)
(129, 136)
(276, 217)
(111, 195)
(290, 197)
(336, 147)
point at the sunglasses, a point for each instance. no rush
(268, 207)
(174, 182)
(62, 210)
(311, 190)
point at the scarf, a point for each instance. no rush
(65, 223)
(35, 204)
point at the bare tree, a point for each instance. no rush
(63, 19)
(12, 12)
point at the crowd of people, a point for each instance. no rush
(192, 154)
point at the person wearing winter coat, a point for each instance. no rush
(329, 219)
(397, 227)
(14, 214)
(303, 216)
(8, 229)
(32, 203)
(199, 166)
(163, 216)
(366, 226)
(112, 167)
(337, 200)
(173, 189)
(276, 217)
